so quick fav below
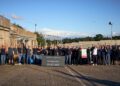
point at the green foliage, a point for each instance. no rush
(40, 39)
(116, 37)
(49, 42)
(98, 37)
(52, 42)
(70, 40)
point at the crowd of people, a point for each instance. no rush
(95, 55)
(20, 55)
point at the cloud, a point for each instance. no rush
(13, 16)
(61, 33)
(116, 33)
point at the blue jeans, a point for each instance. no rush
(3, 58)
(66, 59)
(69, 56)
(104, 59)
(38, 59)
(28, 59)
(24, 57)
(20, 57)
(34, 57)
(108, 59)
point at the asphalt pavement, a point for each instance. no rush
(34, 75)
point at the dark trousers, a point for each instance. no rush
(94, 59)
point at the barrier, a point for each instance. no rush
(53, 61)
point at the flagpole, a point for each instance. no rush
(111, 28)
(111, 31)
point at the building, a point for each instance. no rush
(11, 34)
(4, 31)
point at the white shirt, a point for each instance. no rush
(95, 51)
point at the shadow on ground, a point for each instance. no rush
(92, 80)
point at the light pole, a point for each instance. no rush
(35, 27)
(111, 28)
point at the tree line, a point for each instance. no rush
(42, 41)
(97, 37)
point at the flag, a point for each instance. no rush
(84, 53)
(110, 23)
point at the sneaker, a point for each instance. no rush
(19, 63)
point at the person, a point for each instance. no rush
(113, 55)
(69, 55)
(73, 56)
(100, 60)
(55, 51)
(78, 57)
(28, 53)
(19, 54)
(108, 55)
(118, 55)
(15, 56)
(0, 54)
(66, 55)
(48, 48)
(3, 55)
(10, 55)
(24, 51)
(95, 55)
(59, 51)
(39, 57)
(89, 55)
(91, 50)
(118, 52)
(44, 51)
(34, 53)
(104, 54)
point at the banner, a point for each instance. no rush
(84, 53)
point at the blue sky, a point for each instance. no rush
(85, 17)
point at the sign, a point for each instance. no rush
(53, 61)
(84, 53)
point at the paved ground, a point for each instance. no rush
(98, 75)
(33, 75)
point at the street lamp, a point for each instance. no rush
(35, 27)
(111, 28)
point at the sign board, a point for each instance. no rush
(53, 61)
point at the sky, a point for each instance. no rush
(64, 17)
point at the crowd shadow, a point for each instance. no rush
(99, 81)
(91, 80)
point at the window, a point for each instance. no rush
(0, 20)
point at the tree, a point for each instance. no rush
(40, 39)
(116, 37)
(49, 42)
(98, 37)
